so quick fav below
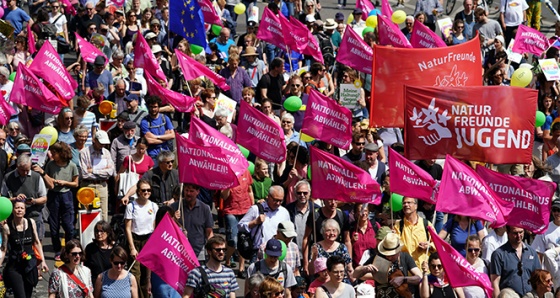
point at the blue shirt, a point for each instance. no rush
(505, 264)
(158, 127)
(105, 78)
(223, 48)
(459, 236)
(16, 17)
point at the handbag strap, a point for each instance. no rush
(72, 276)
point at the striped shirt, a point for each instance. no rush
(224, 280)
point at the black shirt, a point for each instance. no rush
(273, 86)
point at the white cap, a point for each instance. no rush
(102, 137)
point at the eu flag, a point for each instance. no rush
(186, 19)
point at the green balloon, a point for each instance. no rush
(243, 150)
(216, 30)
(367, 30)
(540, 119)
(396, 202)
(292, 104)
(5, 208)
(251, 167)
(12, 76)
(284, 251)
(196, 49)
(309, 172)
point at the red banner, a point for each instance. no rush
(394, 67)
(410, 180)
(335, 178)
(260, 134)
(472, 123)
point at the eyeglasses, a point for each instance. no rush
(219, 249)
(90, 9)
(146, 190)
(119, 263)
(15, 128)
(55, 6)
(132, 16)
(169, 162)
(75, 254)
(438, 266)
(302, 193)
(288, 122)
(307, 78)
(92, 28)
(296, 85)
(460, 27)
(68, 118)
(473, 249)
(409, 23)
(279, 294)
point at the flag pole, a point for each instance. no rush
(297, 150)
(289, 58)
(181, 205)
(131, 265)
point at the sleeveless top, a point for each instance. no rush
(446, 291)
(18, 242)
(111, 288)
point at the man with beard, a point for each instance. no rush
(219, 276)
(156, 128)
(125, 144)
(300, 209)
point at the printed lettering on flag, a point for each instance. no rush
(192, 69)
(260, 134)
(390, 34)
(531, 198)
(529, 40)
(6, 111)
(271, 31)
(366, 6)
(312, 48)
(444, 67)
(209, 12)
(334, 178)
(355, 52)
(327, 121)
(423, 37)
(169, 254)
(181, 102)
(28, 90)
(144, 58)
(470, 123)
(410, 180)
(47, 65)
(386, 9)
(296, 39)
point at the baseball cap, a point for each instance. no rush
(124, 116)
(339, 16)
(150, 35)
(555, 203)
(309, 18)
(131, 97)
(273, 248)
(22, 148)
(252, 24)
(357, 11)
(287, 229)
(102, 137)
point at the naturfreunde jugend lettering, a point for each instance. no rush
(328, 121)
(338, 179)
(450, 57)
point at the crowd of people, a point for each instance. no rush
(301, 246)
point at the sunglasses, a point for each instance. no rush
(75, 254)
(307, 78)
(555, 210)
(288, 122)
(360, 143)
(119, 263)
(302, 193)
(473, 249)
(68, 118)
(296, 85)
(219, 249)
(436, 266)
(100, 231)
(520, 268)
(55, 6)
(170, 162)
(146, 190)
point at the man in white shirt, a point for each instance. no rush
(551, 237)
(512, 14)
(494, 239)
(376, 169)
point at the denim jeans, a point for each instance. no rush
(61, 213)
(231, 229)
(438, 225)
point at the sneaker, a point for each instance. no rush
(400, 5)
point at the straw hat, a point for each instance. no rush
(330, 24)
(250, 51)
(391, 245)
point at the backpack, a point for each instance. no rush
(327, 50)
(48, 31)
(246, 241)
(206, 289)
(401, 226)
(162, 124)
(283, 270)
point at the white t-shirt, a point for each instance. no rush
(142, 218)
(59, 23)
(473, 291)
(8, 88)
(550, 238)
(514, 12)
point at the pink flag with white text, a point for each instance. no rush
(69, 8)
(334, 178)
(390, 34)
(88, 51)
(192, 69)
(529, 40)
(459, 271)
(366, 6)
(410, 180)
(205, 135)
(181, 102)
(296, 37)
(463, 192)
(423, 37)
(312, 48)
(327, 121)
(28, 90)
(6, 111)
(169, 254)
(144, 58)
(205, 166)
(47, 65)
(355, 52)
(260, 134)
(386, 9)
(209, 12)
(30, 40)
(273, 33)
(531, 198)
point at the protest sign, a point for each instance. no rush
(355, 52)
(445, 26)
(271, 31)
(514, 57)
(349, 95)
(550, 69)
(39, 148)
(225, 103)
(424, 37)
(529, 40)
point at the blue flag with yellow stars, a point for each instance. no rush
(186, 19)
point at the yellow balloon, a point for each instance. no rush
(371, 21)
(522, 77)
(398, 17)
(239, 8)
(303, 108)
(51, 131)
(350, 19)
(306, 138)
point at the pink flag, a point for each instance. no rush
(69, 8)
(273, 33)
(459, 271)
(202, 134)
(205, 166)
(179, 101)
(355, 52)
(88, 51)
(386, 9)
(30, 40)
(144, 58)
(335, 178)
(296, 39)
(423, 37)
(260, 134)
(47, 65)
(209, 12)
(366, 6)
(6, 111)
(28, 90)
(410, 180)
(327, 121)
(532, 198)
(192, 69)
(390, 34)
(312, 48)
(169, 254)
(463, 192)
(529, 40)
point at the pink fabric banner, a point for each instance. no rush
(529, 40)
(458, 270)
(192, 69)
(6, 111)
(334, 178)
(390, 34)
(69, 8)
(366, 6)
(30, 40)
(271, 31)
(205, 166)
(144, 58)
(88, 51)
(169, 254)
(410, 180)
(260, 134)
(423, 37)
(28, 90)
(355, 52)
(327, 121)
(47, 65)
(386, 9)
(202, 134)
(181, 102)
(463, 192)
(209, 12)
(312, 48)
(296, 39)
(531, 198)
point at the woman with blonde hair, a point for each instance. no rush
(271, 288)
